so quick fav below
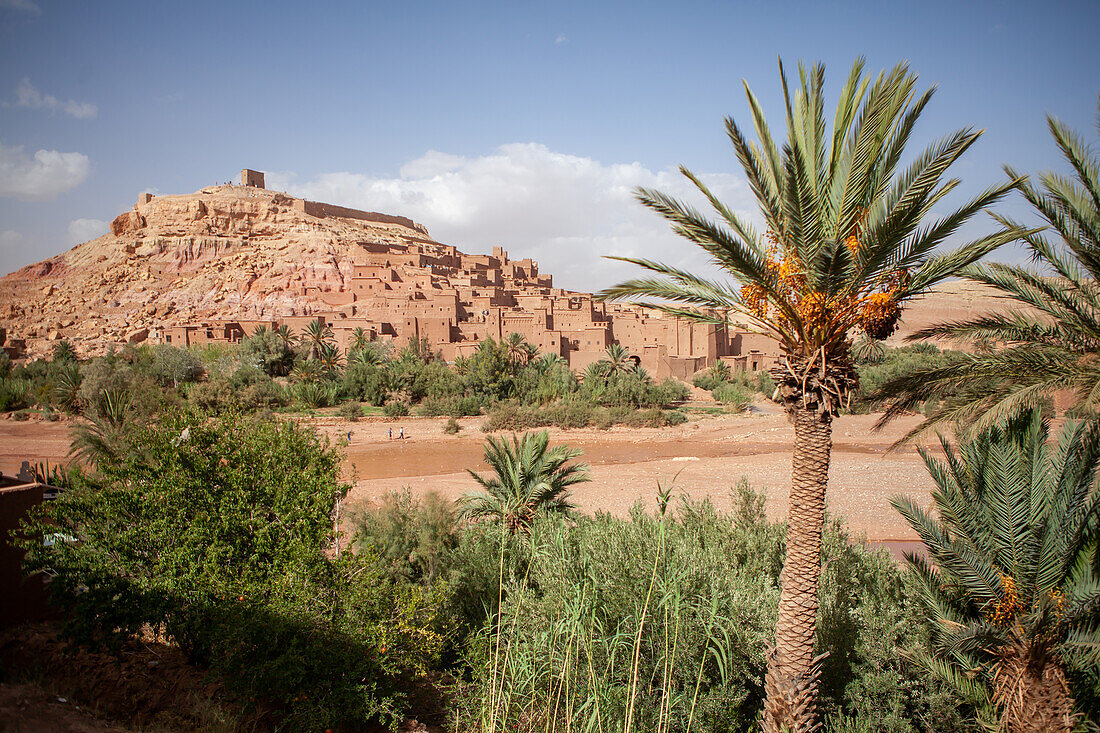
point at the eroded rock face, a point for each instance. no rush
(222, 253)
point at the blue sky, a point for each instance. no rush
(521, 124)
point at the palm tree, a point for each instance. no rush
(63, 351)
(359, 339)
(1055, 343)
(110, 421)
(546, 362)
(329, 358)
(317, 335)
(519, 351)
(528, 478)
(595, 374)
(1011, 588)
(66, 389)
(618, 359)
(285, 335)
(849, 239)
(306, 371)
(867, 350)
(366, 356)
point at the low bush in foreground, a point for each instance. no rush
(214, 533)
(662, 619)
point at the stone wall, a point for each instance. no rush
(322, 211)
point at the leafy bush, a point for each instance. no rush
(316, 394)
(675, 417)
(247, 389)
(172, 366)
(414, 538)
(668, 616)
(488, 372)
(367, 383)
(351, 411)
(733, 396)
(126, 373)
(13, 394)
(215, 532)
(451, 427)
(395, 408)
(454, 406)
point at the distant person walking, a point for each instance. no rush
(401, 435)
(391, 433)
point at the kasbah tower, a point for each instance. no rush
(213, 266)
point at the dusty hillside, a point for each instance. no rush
(240, 252)
(221, 253)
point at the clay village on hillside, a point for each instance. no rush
(227, 248)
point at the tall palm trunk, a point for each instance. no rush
(792, 668)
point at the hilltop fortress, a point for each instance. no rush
(212, 266)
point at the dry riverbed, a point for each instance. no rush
(704, 457)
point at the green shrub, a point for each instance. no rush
(316, 394)
(219, 540)
(172, 366)
(570, 414)
(395, 409)
(351, 411)
(414, 538)
(692, 596)
(451, 427)
(675, 417)
(13, 394)
(21, 415)
(367, 383)
(734, 396)
(514, 417)
(455, 406)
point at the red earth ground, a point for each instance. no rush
(702, 458)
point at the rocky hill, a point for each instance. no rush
(221, 253)
(242, 253)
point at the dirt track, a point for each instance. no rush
(704, 457)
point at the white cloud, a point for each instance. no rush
(25, 6)
(42, 177)
(83, 230)
(564, 211)
(27, 95)
(9, 238)
(561, 40)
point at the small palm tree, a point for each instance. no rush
(359, 339)
(867, 350)
(63, 351)
(518, 350)
(109, 421)
(365, 356)
(1010, 588)
(849, 239)
(595, 374)
(307, 371)
(285, 335)
(317, 335)
(329, 358)
(546, 362)
(618, 359)
(528, 477)
(66, 388)
(1054, 345)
